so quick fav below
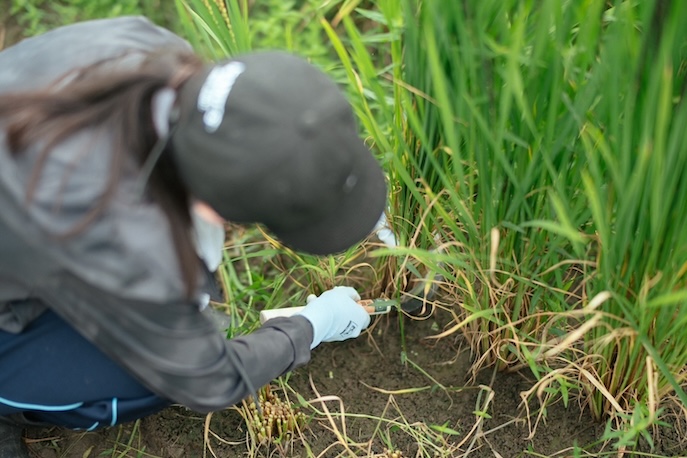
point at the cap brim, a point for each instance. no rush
(352, 221)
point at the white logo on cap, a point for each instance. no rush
(213, 95)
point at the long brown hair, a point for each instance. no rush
(96, 96)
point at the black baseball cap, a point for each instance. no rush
(269, 138)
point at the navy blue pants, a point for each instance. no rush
(53, 375)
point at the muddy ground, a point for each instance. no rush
(389, 406)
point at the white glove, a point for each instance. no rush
(335, 315)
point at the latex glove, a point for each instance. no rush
(335, 315)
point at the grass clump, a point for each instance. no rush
(271, 420)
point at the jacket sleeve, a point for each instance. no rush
(175, 349)
(171, 347)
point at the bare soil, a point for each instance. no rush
(389, 406)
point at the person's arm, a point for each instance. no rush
(175, 350)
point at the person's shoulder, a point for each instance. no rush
(137, 32)
(119, 22)
(122, 26)
(127, 23)
(37, 61)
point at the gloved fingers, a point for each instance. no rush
(351, 328)
(310, 298)
(356, 321)
(343, 290)
(335, 315)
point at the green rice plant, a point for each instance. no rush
(540, 144)
(630, 117)
(462, 114)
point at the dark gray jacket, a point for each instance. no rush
(118, 281)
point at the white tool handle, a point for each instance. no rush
(274, 313)
(370, 306)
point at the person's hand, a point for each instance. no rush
(335, 315)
